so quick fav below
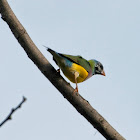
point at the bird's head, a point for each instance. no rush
(97, 67)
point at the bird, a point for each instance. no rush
(76, 68)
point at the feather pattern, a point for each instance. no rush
(76, 68)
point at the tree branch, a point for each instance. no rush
(9, 117)
(80, 104)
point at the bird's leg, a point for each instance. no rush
(76, 89)
(76, 74)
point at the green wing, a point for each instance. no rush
(79, 60)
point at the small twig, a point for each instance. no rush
(9, 117)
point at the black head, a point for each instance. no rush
(99, 69)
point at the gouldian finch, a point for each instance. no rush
(76, 68)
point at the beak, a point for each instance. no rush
(103, 73)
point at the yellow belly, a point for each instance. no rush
(69, 73)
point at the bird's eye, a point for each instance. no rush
(101, 67)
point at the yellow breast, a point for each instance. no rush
(69, 73)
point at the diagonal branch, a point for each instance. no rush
(9, 117)
(80, 104)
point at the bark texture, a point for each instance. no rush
(80, 104)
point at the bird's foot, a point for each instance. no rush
(68, 83)
(76, 91)
(58, 71)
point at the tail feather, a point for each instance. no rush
(49, 50)
(54, 54)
